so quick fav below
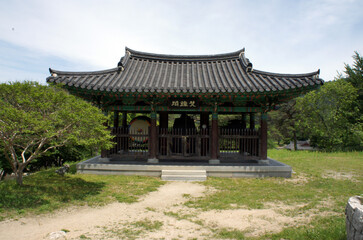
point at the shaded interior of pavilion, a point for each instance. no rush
(184, 136)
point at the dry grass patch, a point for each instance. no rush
(340, 175)
(299, 179)
(258, 222)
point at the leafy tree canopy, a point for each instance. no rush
(354, 75)
(36, 118)
(331, 116)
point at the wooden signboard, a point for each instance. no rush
(183, 103)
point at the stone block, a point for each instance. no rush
(354, 218)
(263, 161)
(214, 161)
(153, 160)
(357, 220)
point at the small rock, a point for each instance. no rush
(63, 170)
(58, 235)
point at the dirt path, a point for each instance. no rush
(97, 223)
(159, 215)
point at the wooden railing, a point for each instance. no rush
(179, 143)
(238, 143)
(129, 142)
(187, 143)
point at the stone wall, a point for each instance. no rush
(354, 218)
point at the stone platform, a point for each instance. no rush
(226, 168)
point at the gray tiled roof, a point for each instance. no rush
(147, 72)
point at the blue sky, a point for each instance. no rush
(285, 36)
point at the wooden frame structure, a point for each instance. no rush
(203, 85)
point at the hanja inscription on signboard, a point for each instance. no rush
(183, 103)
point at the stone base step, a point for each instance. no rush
(184, 175)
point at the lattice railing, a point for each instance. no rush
(238, 143)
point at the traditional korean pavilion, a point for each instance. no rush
(197, 90)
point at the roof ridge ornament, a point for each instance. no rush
(120, 66)
(242, 52)
(246, 62)
(182, 58)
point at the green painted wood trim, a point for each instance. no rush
(215, 115)
(264, 116)
(239, 109)
(223, 97)
(129, 108)
(153, 115)
(200, 109)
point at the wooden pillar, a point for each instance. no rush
(163, 120)
(124, 119)
(214, 141)
(252, 121)
(243, 121)
(204, 119)
(163, 129)
(263, 137)
(115, 119)
(152, 139)
(124, 130)
(104, 152)
(204, 130)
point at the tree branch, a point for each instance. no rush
(25, 149)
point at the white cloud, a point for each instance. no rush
(279, 36)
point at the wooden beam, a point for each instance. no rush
(115, 119)
(152, 138)
(252, 121)
(214, 141)
(124, 119)
(204, 119)
(104, 151)
(200, 109)
(263, 136)
(163, 119)
(244, 121)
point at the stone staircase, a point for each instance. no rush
(184, 175)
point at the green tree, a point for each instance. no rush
(331, 116)
(36, 118)
(284, 122)
(354, 75)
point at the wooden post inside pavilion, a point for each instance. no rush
(207, 86)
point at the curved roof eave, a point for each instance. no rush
(170, 57)
(199, 71)
(100, 72)
(316, 74)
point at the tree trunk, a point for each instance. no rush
(2, 174)
(19, 177)
(19, 173)
(295, 141)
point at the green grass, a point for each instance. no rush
(322, 183)
(132, 230)
(179, 216)
(46, 191)
(230, 234)
(327, 228)
(315, 187)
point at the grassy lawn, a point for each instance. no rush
(318, 191)
(46, 191)
(321, 186)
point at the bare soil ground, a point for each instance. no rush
(159, 215)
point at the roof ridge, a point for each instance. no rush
(53, 71)
(171, 57)
(316, 73)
